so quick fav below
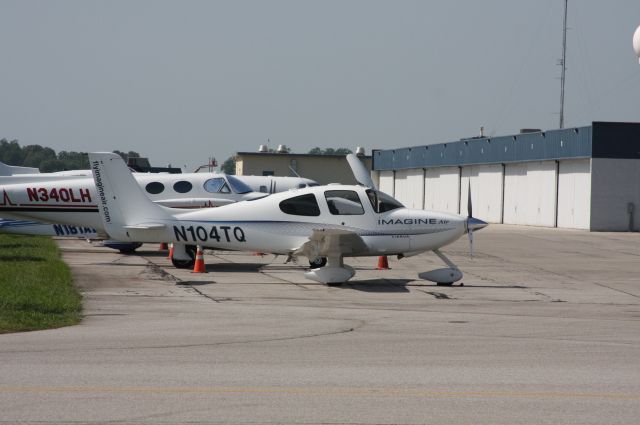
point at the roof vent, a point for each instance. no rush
(263, 148)
(360, 151)
(529, 130)
(282, 149)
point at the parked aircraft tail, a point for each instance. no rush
(134, 215)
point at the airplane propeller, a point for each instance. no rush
(360, 172)
(472, 223)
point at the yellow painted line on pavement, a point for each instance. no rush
(362, 392)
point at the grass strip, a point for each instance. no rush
(36, 287)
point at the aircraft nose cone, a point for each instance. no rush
(474, 224)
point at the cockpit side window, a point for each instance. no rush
(306, 205)
(343, 202)
(381, 202)
(216, 185)
(238, 185)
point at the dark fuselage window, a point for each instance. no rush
(182, 186)
(154, 188)
(301, 205)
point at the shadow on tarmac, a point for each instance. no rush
(378, 285)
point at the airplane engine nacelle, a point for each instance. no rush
(445, 275)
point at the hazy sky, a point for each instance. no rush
(179, 81)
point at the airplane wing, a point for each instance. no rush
(195, 202)
(332, 243)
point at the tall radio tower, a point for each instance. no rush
(563, 64)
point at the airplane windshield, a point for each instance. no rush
(381, 202)
(238, 186)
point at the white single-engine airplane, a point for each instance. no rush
(323, 223)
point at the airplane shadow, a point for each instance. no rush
(234, 267)
(378, 285)
(195, 282)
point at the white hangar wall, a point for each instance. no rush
(530, 193)
(574, 194)
(537, 193)
(486, 191)
(442, 189)
(386, 181)
(409, 187)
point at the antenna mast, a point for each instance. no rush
(563, 63)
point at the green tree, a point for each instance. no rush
(127, 155)
(74, 160)
(46, 158)
(330, 151)
(11, 152)
(342, 151)
(51, 165)
(34, 155)
(229, 166)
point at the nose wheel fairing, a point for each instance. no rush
(444, 276)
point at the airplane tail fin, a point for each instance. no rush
(126, 211)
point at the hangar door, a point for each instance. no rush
(386, 182)
(530, 193)
(486, 191)
(442, 189)
(409, 187)
(574, 194)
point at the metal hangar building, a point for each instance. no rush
(583, 177)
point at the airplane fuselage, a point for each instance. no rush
(265, 225)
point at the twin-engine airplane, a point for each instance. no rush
(69, 200)
(323, 223)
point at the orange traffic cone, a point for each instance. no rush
(163, 246)
(383, 263)
(170, 252)
(199, 266)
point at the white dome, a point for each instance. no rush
(636, 42)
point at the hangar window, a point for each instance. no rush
(381, 202)
(182, 186)
(301, 205)
(154, 188)
(216, 185)
(343, 202)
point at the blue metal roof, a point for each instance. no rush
(600, 140)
